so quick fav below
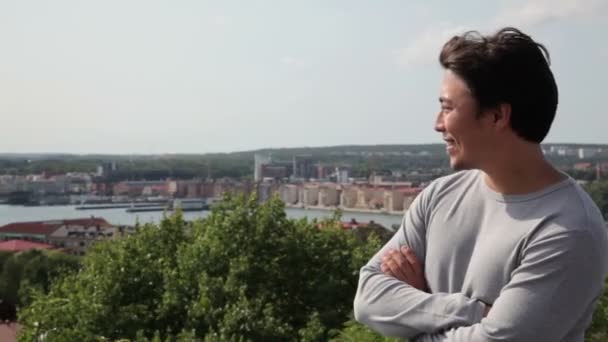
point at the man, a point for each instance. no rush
(509, 248)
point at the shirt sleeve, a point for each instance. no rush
(394, 308)
(554, 289)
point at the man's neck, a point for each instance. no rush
(521, 171)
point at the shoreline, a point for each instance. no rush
(346, 210)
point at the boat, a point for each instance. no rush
(190, 204)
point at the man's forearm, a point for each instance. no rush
(395, 308)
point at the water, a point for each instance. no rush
(119, 216)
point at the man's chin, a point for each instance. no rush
(459, 165)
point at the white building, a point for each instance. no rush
(259, 161)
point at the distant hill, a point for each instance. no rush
(279, 152)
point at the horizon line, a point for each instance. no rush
(264, 149)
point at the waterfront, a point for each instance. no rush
(118, 216)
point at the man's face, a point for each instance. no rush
(468, 138)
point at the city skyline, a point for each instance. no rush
(203, 77)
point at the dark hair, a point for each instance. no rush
(507, 67)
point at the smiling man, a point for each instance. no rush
(508, 248)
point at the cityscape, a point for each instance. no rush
(301, 182)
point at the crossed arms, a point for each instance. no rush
(547, 295)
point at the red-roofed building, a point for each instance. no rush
(583, 166)
(41, 230)
(21, 245)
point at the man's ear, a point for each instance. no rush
(501, 115)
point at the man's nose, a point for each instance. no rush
(439, 125)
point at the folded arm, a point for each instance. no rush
(394, 308)
(554, 287)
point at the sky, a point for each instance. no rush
(196, 76)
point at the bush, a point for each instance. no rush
(244, 273)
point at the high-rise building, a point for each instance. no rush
(303, 167)
(259, 161)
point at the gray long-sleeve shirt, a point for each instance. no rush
(539, 259)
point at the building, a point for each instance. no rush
(236, 187)
(587, 152)
(274, 171)
(309, 195)
(376, 198)
(329, 196)
(142, 188)
(369, 198)
(22, 245)
(192, 188)
(409, 195)
(393, 200)
(259, 161)
(207, 189)
(30, 231)
(583, 166)
(342, 176)
(323, 171)
(267, 189)
(348, 197)
(76, 237)
(303, 167)
(106, 169)
(73, 235)
(563, 151)
(363, 197)
(289, 193)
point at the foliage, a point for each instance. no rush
(33, 268)
(244, 273)
(598, 191)
(25, 273)
(356, 332)
(598, 330)
(4, 256)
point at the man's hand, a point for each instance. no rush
(487, 310)
(405, 266)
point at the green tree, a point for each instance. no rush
(598, 330)
(244, 273)
(356, 332)
(41, 269)
(598, 191)
(4, 256)
(27, 272)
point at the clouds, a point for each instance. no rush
(424, 46)
(537, 12)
